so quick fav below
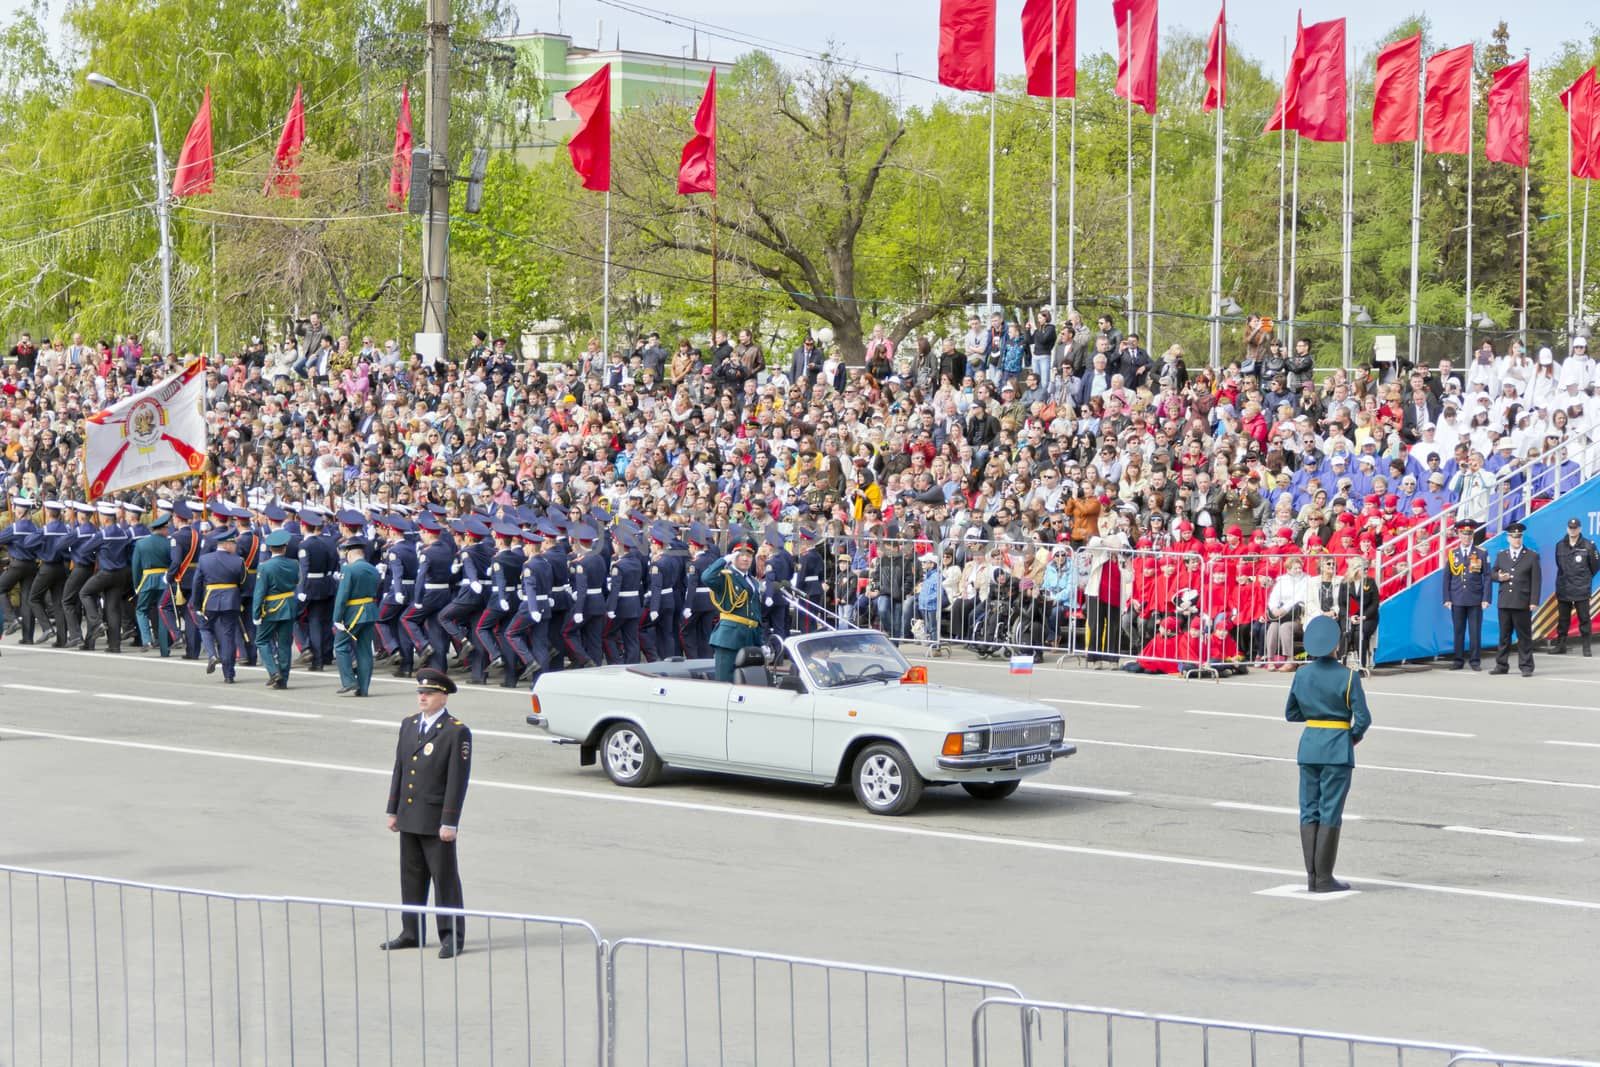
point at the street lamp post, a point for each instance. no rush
(162, 201)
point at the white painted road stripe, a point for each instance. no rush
(39, 688)
(267, 711)
(1284, 722)
(1233, 805)
(1560, 839)
(1508, 699)
(1576, 744)
(513, 735)
(863, 825)
(1084, 790)
(1089, 703)
(146, 700)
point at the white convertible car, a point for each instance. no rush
(823, 708)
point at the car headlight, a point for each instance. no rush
(974, 741)
(1058, 730)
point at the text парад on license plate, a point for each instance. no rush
(1029, 759)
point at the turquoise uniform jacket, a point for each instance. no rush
(355, 602)
(1324, 691)
(152, 555)
(275, 588)
(737, 598)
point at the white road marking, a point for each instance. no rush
(1518, 701)
(1089, 703)
(864, 825)
(391, 725)
(1234, 805)
(1560, 839)
(1576, 744)
(1280, 720)
(266, 711)
(146, 700)
(39, 688)
(1298, 891)
(1365, 766)
(1084, 790)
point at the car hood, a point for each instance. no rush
(964, 706)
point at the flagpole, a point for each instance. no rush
(1072, 203)
(1128, 168)
(605, 299)
(1583, 259)
(713, 264)
(1413, 313)
(215, 333)
(1345, 251)
(1216, 249)
(1294, 239)
(1283, 178)
(1570, 319)
(1467, 337)
(988, 284)
(1055, 90)
(1150, 255)
(1527, 106)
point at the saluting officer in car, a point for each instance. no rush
(736, 595)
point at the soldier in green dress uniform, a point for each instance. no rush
(152, 555)
(274, 609)
(737, 597)
(355, 616)
(1328, 698)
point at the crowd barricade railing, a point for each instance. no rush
(690, 1004)
(1080, 1036)
(872, 582)
(1254, 616)
(133, 972)
(1517, 1061)
(1006, 596)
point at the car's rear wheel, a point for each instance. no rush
(991, 790)
(885, 781)
(627, 755)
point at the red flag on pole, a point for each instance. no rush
(1579, 100)
(1506, 137)
(1036, 16)
(196, 172)
(1321, 102)
(1447, 103)
(697, 172)
(1284, 113)
(590, 147)
(282, 178)
(1136, 59)
(966, 44)
(400, 165)
(1217, 64)
(1394, 101)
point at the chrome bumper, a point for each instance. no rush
(980, 761)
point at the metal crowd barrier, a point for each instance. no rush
(1519, 1061)
(1076, 1035)
(693, 1004)
(131, 972)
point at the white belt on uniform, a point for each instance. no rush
(434, 585)
(633, 593)
(318, 574)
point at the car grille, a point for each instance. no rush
(1019, 735)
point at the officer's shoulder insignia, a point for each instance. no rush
(466, 750)
(455, 722)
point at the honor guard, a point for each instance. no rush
(185, 539)
(1466, 595)
(737, 598)
(250, 552)
(103, 594)
(779, 580)
(624, 607)
(274, 607)
(399, 575)
(1577, 562)
(525, 641)
(586, 624)
(319, 581)
(432, 764)
(500, 603)
(810, 574)
(1327, 697)
(152, 557)
(699, 614)
(668, 570)
(54, 549)
(1517, 573)
(80, 559)
(430, 593)
(355, 614)
(471, 575)
(558, 553)
(220, 583)
(22, 540)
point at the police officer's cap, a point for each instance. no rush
(507, 529)
(438, 511)
(159, 521)
(224, 536)
(638, 516)
(427, 522)
(1515, 527)
(626, 537)
(808, 535)
(401, 525)
(272, 513)
(774, 536)
(555, 511)
(583, 532)
(548, 529)
(351, 517)
(699, 534)
(161, 505)
(278, 539)
(1322, 636)
(433, 680)
(661, 532)
(532, 534)
(474, 526)
(1466, 524)
(1572, 524)
(354, 542)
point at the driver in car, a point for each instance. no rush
(737, 597)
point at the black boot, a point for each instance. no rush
(1560, 648)
(1327, 853)
(1308, 845)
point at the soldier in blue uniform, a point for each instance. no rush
(152, 555)
(250, 553)
(810, 574)
(667, 572)
(80, 558)
(1327, 696)
(430, 593)
(779, 579)
(500, 603)
(737, 597)
(110, 582)
(186, 546)
(558, 554)
(399, 575)
(1466, 595)
(624, 596)
(54, 546)
(699, 614)
(471, 564)
(220, 585)
(22, 539)
(586, 624)
(319, 582)
(355, 614)
(274, 607)
(525, 642)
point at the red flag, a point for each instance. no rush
(1447, 102)
(1579, 100)
(1394, 101)
(1136, 65)
(282, 177)
(1217, 64)
(1506, 139)
(966, 44)
(1036, 18)
(195, 172)
(590, 147)
(400, 166)
(1321, 102)
(1284, 114)
(697, 173)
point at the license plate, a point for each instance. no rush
(1031, 759)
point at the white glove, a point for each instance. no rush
(399, 598)
(654, 615)
(769, 602)
(536, 616)
(300, 597)
(611, 615)
(577, 619)
(339, 626)
(476, 587)
(505, 605)
(688, 613)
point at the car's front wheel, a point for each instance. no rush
(885, 781)
(627, 755)
(991, 790)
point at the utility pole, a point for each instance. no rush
(436, 224)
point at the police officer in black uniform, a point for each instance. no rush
(699, 614)
(432, 763)
(1517, 572)
(319, 584)
(1577, 562)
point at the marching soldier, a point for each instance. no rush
(779, 578)
(319, 581)
(180, 576)
(471, 571)
(623, 596)
(80, 558)
(113, 550)
(1466, 595)
(54, 548)
(505, 574)
(810, 571)
(699, 614)
(399, 575)
(249, 549)
(586, 624)
(355, 613)
(432, 764)
(1576, 565)
(430, 593)
(737, 598)
(152, 556)
(1516, 572)
(219, 583)
(667, 573)
(558, 554)
(1328, 698)
(274, 607)
(525, 642)
(22, 539)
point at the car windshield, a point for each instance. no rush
(835, 660)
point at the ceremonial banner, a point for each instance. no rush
(1394, 92)
(697, 172)
(1217, 64)
(1037, 17)
(590, 147)
(1136, 52)
(1506, 132)
(1447, 103)
(966, 44)
(154, 435)
(400, 162)
(196, 171)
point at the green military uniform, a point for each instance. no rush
(274, 608)
(737, 597)
(152, 555)
(355, 617)
(1329, 699)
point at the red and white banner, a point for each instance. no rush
(154, 435)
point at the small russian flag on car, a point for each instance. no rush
(1021, 664)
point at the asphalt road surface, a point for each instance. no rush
(1137, 874)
